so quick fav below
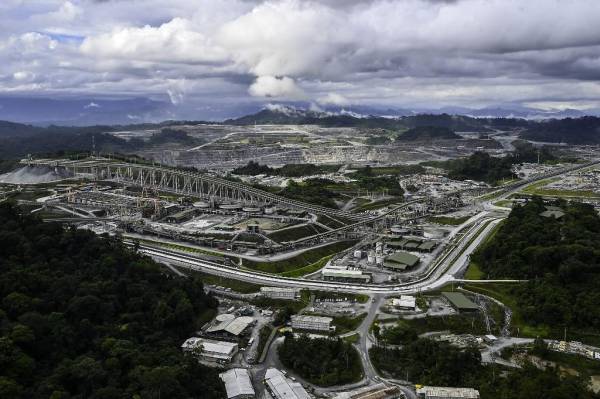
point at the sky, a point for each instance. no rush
(209, 53)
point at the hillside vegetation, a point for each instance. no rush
(585, 130)
(559, 257)
(429, 362)
(82, 316)
(427, 133)
(322, 361)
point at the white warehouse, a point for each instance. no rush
(313, 323)
(238, 384)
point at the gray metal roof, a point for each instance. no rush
(237, 383)
(282, 388)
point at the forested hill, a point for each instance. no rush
(82, 316)
(560, 258)
(292, 116)
(584, 130)
(18, 140)
(426, 133)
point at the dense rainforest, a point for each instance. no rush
(559, 256)
(585, 130)
(481, 166)
(82, 316)
(322, 361)
(425, 361)
(17, 140)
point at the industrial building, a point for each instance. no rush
(238, 384)
(313, 323)
(281, 387)
(447, 393)
(346, 274)
(211, 350)
(377, 391)
(182, 216)
(401, 261)
(229, 326)
(280, 292)
(405, 302)
(460, 302)
(411, 244)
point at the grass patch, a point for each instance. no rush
(576, 362)
(236, 285)
(313, 267)
(353, 338)
(296, 233)
(567, 193)
(379, 204)
(29, 195)
(308, 258)
(532, 188)
(345, 324)
(457, 324)
(448, 220)
(263, 336)
(518, 325)
(178, 247)
(504, 203)
(474, 272)
(273, 303)
(330, 222)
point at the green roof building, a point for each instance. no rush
(401, 261)
(460, 302)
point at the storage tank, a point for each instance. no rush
(371, 258)
(270, 210)
(201, 204)
(230, 207)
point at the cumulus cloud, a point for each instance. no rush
(279, 87)
(392, 52)
(333, 99)
(174, 41)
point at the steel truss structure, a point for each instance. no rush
(182, 182)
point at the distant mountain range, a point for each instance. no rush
(102, 111)
(17, 139)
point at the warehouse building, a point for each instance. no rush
(182, 216)
(405, 302)
(447, 393)
(237, 384)
(282, 388)
(346, 274)
(211, 350)
(377, 391)
(280, 292)
(401, 261)
(460, 302)
(229, 326)
(312, 323)
(411, 244)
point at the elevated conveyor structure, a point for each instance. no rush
(182, 182)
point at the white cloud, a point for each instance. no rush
(279, 87)
(333, 99)
(395, 52)
(92, 105)
(23, 75)
(174, 41)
